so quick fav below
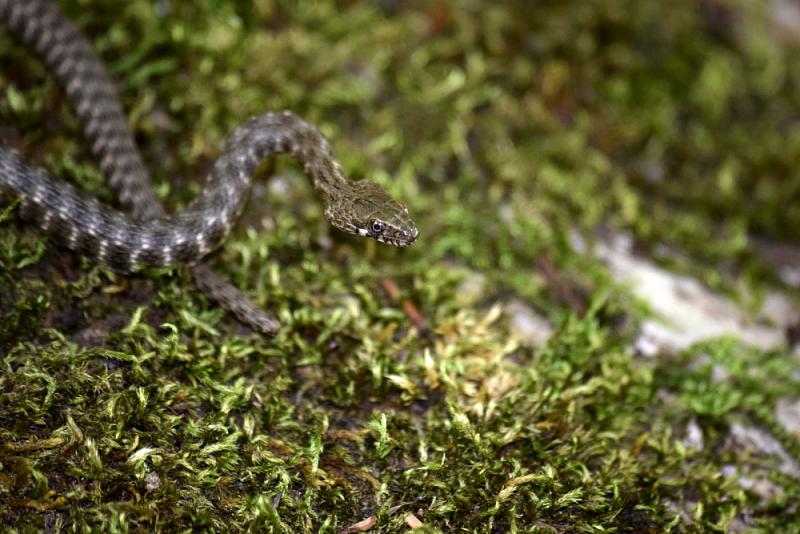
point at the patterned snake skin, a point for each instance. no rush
(145, 234)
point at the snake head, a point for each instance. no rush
(369, 211)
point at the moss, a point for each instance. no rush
(135, 404)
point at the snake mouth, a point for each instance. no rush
(409, 238)
(404, 238)
(398, 238)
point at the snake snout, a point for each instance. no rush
(408, 237)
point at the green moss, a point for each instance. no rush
(135, 404)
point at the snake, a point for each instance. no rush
(138, 232)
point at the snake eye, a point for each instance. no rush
(376, 227)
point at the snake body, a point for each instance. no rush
(141, 233)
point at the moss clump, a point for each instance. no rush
(135, 404)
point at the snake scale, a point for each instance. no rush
(141, 233)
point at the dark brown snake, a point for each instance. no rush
(143, 234)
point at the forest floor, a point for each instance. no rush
(595, 332)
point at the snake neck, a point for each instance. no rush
(285, 132)
(329, 182)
